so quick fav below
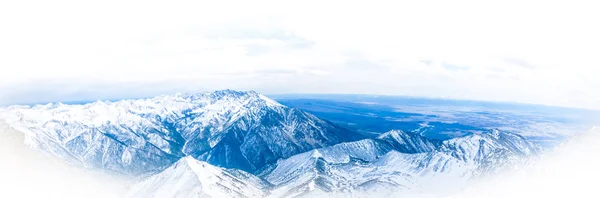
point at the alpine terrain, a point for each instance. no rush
(242, 144)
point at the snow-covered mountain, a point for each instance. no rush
(231, 129)
(384, 166)
(243, 144)
(369, 166)
(409, 142)
(492, 152)
(566, 171)
(191, 178)
(365, 167)
(475, 148)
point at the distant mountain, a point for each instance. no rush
(231, 129)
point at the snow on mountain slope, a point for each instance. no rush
(569, 170)
(308, 174)
(375, 166)
(479, 148)
(25, 172)
(231, 129)
(432, 173)
(409, 142)
(356, 169)
(189, 178)
(294, 167)
(252, 146)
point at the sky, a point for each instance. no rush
(542, 52)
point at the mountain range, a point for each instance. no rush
(242, 144)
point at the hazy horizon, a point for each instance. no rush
(298, 96)
(71, 50)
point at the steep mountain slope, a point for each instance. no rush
(492, 151)
(409, 142)
(310, 171)
(315, 172)
(231, 129)
(242, 144)
(375, 165)
(189, 178)
(348, 167)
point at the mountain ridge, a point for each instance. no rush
(252, 143)
(372, 165)
(217, 127)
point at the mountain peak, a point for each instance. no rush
(233, 92)
(231, 129)
(192, 178)
(408, 142)
(495, 133)
(316, 154)
(391, 134)
(477, 147)
(228, 94)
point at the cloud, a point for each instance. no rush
(363, 64)
(520, 63)
(390, 48)
(455, 67)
